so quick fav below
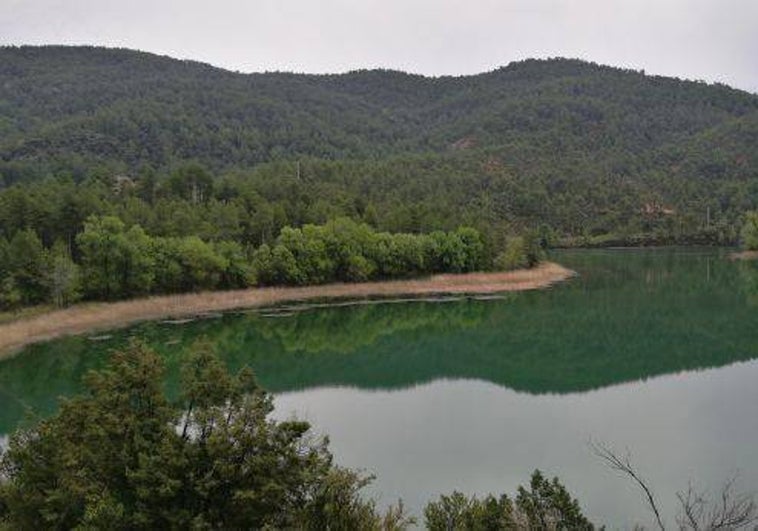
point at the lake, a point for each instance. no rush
(650, 351)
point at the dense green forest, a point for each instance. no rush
(563, 152)
(74, 108)
(115, 261)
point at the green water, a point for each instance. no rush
(640, 350)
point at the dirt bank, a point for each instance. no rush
(744, 255)
(92, 317)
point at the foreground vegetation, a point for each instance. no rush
(124, 456)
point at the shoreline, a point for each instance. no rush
(101, 316)
(744, 255)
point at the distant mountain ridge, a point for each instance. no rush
(582, 153)
(86, 107)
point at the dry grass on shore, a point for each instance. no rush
(744, 255)
(92, 317)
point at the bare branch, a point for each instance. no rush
(732, 510)
(624, 465)
(692, 509)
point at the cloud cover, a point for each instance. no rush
(713, 40)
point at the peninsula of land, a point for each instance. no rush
(93, 317)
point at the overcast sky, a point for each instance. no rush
(713, 40)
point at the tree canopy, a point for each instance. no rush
(544, 505)
(125, 456)
(116, 261)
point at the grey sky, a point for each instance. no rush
(714, 40)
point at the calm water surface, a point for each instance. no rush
(650, 351)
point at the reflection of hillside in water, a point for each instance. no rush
(629, 316)
(347, 328)
(31, 382)
(749, 280)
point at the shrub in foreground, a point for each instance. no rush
(124, 457)
(544, 505)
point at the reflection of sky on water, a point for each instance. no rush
(698, 426)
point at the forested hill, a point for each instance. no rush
(77, 107)
(587, 153)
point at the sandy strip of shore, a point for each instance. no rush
(744, 255)
(93, 317)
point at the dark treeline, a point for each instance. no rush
(116, 261)
(574, 201)
(188, 231)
